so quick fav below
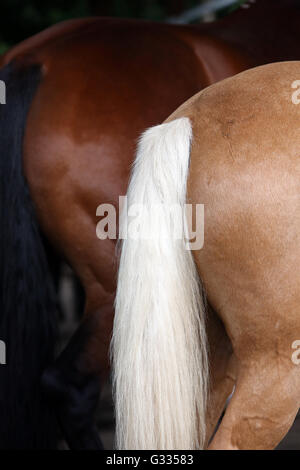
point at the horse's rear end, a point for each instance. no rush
(244, 168)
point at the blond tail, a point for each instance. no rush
(159, 343)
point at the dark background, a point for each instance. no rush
(20, 19)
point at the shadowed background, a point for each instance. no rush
(22, 18)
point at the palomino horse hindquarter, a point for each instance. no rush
(243, 165)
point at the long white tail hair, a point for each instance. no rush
(159, 350)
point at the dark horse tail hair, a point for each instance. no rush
(27, 297)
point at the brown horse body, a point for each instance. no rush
(103, 82)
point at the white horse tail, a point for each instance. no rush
(160, 371)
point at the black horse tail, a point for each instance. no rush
(27, 297)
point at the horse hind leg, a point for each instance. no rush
(249, 266)
(262, 322)
(222, 366)
(262, 410)
(74, 382)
